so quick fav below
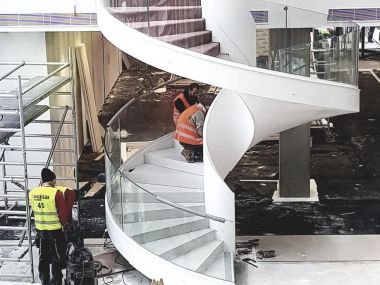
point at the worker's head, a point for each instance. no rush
(48, 176)
(193, 89)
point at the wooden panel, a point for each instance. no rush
(89, 97)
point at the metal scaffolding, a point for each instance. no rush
(19, 108)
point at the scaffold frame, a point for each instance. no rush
(13, 199)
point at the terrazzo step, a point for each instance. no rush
(201, 258)
(140, 14)
(152, 174)
(140, 212)
(211, 49)
(143, 197)
(188, 40)
(143, 3)
(174, 194)
(176, 246)
(164, 28)
(190, 197)
(144, 232)
(218, 269)
(173, 159)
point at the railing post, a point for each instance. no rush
(148, 15)
(27, 207)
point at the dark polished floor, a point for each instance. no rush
(346, 172)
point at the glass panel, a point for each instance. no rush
(307, 43)
(161, 228)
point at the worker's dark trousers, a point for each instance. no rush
(52, 251)
(196, 149)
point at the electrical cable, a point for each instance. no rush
(122, 277)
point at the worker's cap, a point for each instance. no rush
(47, 175)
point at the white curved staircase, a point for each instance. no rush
(175, 220)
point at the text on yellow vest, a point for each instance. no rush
(42, 200)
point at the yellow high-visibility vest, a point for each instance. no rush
(42, 200)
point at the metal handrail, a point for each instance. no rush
(12, 70)
(163, 200)
(173, 204)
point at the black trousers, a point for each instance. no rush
(52, 251)
(196, 148)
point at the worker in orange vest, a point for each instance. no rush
(184, 100)
(189, 132)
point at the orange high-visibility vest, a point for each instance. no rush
(186, 132)
(176, 113)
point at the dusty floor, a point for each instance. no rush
(116, 269)
(325, 259)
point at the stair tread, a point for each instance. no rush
(167, 189)
(172, 158)
(161, 246)
(143, 207)
(204, 47)
(137, 25)
(152, 174)
(195, 258)
(143, 227)
(166, 3)
(217, 269)
(170, 38)
(151, 8)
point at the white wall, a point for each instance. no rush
(47, 6)
(232, 25)
(29, 47)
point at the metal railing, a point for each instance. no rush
(118, 167)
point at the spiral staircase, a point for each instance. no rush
(175, 220)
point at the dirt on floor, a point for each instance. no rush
(346, 172)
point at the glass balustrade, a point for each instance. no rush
(152, 218)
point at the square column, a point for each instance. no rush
(294, 179)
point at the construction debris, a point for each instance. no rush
(213, 90)
(182, 83)
(94, 189)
